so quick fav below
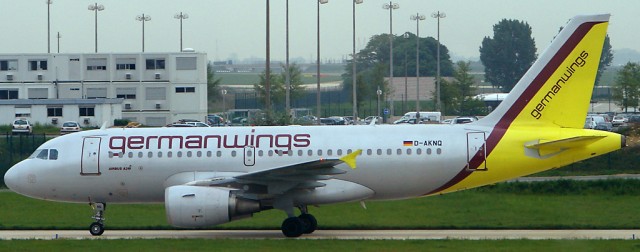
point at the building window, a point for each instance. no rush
(8, 94)
(38, 93)
(156, 93)
(35, 65)
(57, 111)
(93, 93)
(8, 65)
(23, 111)
(185, 89)
(125, 64)
(155, 64)
(96, 64)
(186, 63)
(126, 93)
(87, 111)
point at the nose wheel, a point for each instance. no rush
(97, 228)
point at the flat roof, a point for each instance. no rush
(62, 101)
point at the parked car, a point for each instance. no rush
(198, 124)
(70, 127)
(182, 125)
(606, 126)
(21, 126)
(215, 120)
(464, 119)
(370, 118)
(329, 121)
(618, 120)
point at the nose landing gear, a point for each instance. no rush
(97, 228)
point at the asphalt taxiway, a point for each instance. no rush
(327, 234)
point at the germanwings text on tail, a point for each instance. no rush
(210, 176)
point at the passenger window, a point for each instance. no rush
(209, 153)
(44, 154)
(439, 151)
(53, 154)
(140, 154)
(150, 154)
(310, 153)
(408, 151)
(271, 153)
(389, 151)
(339, 152)
(260, 153)
(130, 154)
(159, 154)
(219, 154)
(379, 152)
(429, 151)
(369, 152)
(319, 152)
(199, 153)
(189, 154)
(419, 151)
(290, 153)
(233, 153)
(329, 152)
(399, 151)
(349, 151)
(299, 153)
(169, 154)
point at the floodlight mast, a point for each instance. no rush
(95, 8)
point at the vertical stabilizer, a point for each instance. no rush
(556, 90)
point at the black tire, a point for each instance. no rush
(96, 229)
(292, 227)
(310, 223)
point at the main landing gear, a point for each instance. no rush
(97, 228)
(303, 224)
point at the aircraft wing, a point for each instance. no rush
(282, 179)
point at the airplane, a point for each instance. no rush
(211, 176)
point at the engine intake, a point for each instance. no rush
(195, 206)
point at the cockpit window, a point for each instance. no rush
(45, 154)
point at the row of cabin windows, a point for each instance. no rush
(270, 153)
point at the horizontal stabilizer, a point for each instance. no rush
(564, 143)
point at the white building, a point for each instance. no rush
(154, 88)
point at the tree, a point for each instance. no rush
(278, 91)
(626, 90)
(372, 62)
(458, 94)
(605, 58)
(509, 54)
(213, 85)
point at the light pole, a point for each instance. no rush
(224, 105)
(438, 15)
(353, 55)
(378, 92)
(59, 42)
(390, 6)
(417, 18)
(318, 111)
(406, 93)
(49, 2)
(95, 8)
(143, 18)
(287, 73)
(267, 79)
(181, 16)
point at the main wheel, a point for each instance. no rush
(292, 227)
(310, 223)
(96, 229)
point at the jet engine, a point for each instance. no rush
(196, 206)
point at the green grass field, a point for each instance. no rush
(549, 205)
(320, 245)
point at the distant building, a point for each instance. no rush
(152, 88)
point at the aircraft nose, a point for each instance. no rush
(11, 179)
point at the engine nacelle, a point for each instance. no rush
(196, 206)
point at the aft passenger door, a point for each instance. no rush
(90, 161)
(476, 151)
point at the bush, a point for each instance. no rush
(120, 122)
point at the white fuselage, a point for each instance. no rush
(136, 165)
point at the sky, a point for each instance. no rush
(235, 29)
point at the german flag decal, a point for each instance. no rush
(407, 143)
